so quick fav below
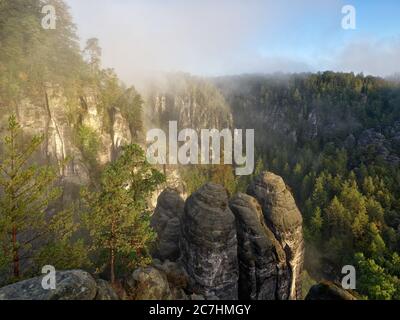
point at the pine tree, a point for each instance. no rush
(319, 195)
(368, 186)
(339, 219)
(117, 216)
(93, 51)
(26, 190)
(316, 224)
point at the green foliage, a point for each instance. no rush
(374, 281)
(348, 193)
(32, 57)
(131, 103)
(89, 143)
(316, 223)
(64, 255)
(196, 176)
(117, 215)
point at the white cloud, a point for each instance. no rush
(377, 57)
(215, 37)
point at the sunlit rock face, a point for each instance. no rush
(284, 219)
(208, 243)
(52, 117)
(121, 134)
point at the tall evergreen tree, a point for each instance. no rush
(26, 191)
(118, 216)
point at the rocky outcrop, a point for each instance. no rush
(378, 143)
(52, 117)
(165, 281)
(329, 291)
(177, 277)
(148, 284)
(105, 291)
(249, 248)
(121, 134)
(166, 222)
(285, 221)
(209, 245)
(176, 274)
(70, 285)
(263, 270)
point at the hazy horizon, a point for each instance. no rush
(209, 38)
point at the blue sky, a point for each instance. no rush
(210, 37)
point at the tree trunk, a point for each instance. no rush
(112, 253)
(13, 193)
(15, 255)
(112, 266)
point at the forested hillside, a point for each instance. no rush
(335, 138)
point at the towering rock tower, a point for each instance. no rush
(209, 245)
(249, 248)
(285, 221)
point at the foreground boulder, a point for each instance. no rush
(166, 222)
(148, 284)
(284, 219)
(165, 281)
(329, 291)
(70, 285)
(264, 274)
(208, 244)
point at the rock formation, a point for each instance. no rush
(329, 291)
(165, 281)
(70, 285)
(209, 245)
(105, 291)
(148, 284)
(263, 271)
(166, 222)
(251, 248)
(284, 219)
(53, 120)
